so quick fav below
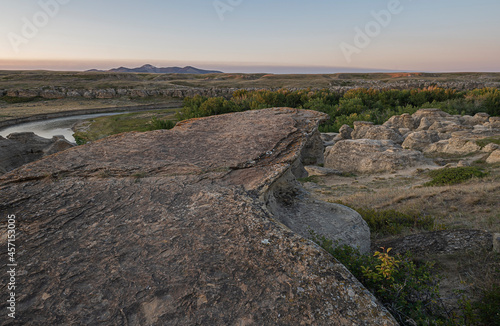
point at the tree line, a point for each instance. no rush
(354, 105)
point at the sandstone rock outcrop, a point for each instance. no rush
(367, 130)
(183, 91)
(442, 242)
(171, 227)
(429, 131)
(494, 157)
(401, 121)
(425, 118)
(370, 156)
(419, 140)
(346, 132)
(22, 148)
(312, 154)
(296, 209)
(455, 145)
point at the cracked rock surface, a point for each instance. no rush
(170, 228)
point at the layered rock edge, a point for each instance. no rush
(172, 228)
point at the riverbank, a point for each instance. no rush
(29, 112)
(93, 129)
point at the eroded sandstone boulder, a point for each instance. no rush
(454, 145)
(25, 147)
(490, 148)
(494, 157)
(313, 150)
(12, 154)
(425, 118)
(346, 132)
(419, 140)
(401, 121)
(442, 242)
(493, 123)
(370, 156)
(171, 227)
(299, 211)
(434, 131)
(367, 130)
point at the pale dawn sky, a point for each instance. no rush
(276, 36)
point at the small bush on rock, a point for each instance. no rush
(407, 289)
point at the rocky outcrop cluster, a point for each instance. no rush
(402, 141)
(177, 91)
(109, 93)
(22, 148)
(346, 84)
(183, 227)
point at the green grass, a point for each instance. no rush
(111, 125)
(15, 100)
(451, 176)
(409, 290)
(161, 124)
(392, 222)
(486, 141)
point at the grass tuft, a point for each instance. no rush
(392, 222)
(486, 141)
(451, 176)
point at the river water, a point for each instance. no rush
(53, 127)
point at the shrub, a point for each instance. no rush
(357, 104)
(489, 307)
(79, 140)
(14, 100)
(451, 176)
(408, 290)
(161, 124)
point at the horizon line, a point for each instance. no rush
(354, 71)
(81, 65)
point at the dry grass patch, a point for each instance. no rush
(473, 204)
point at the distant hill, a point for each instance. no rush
(155, 70)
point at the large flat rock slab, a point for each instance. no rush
(170, 228)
